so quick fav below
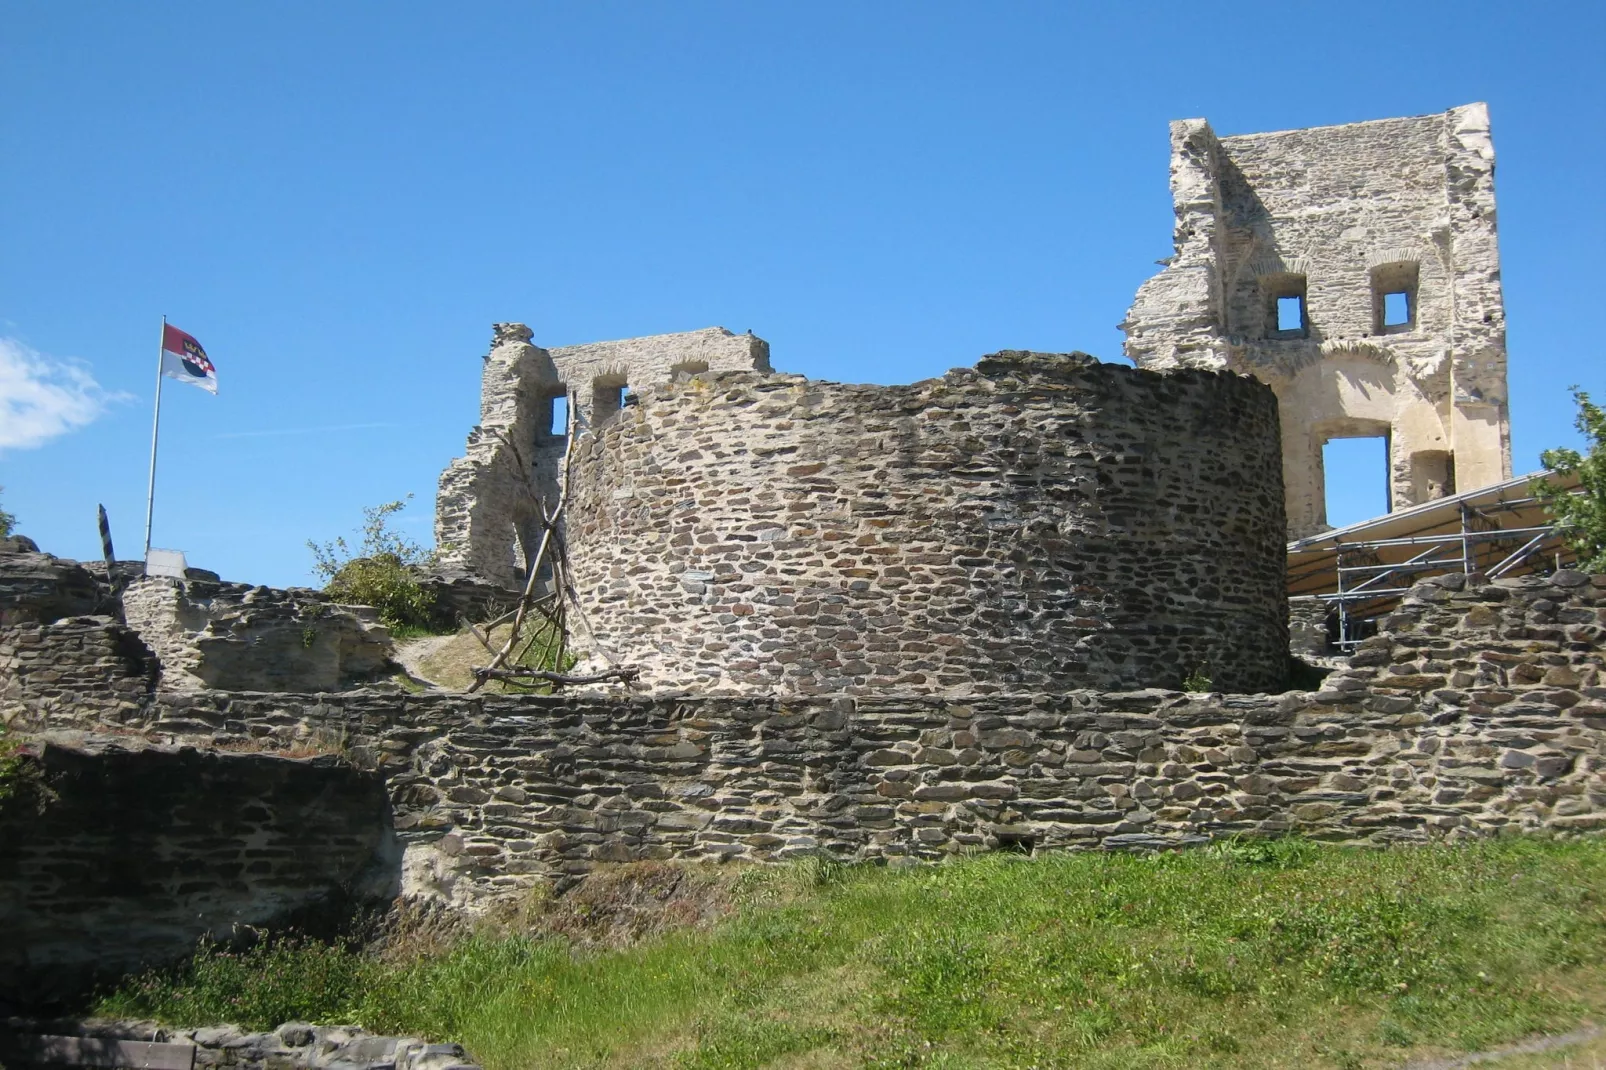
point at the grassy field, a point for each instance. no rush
(1250, 955)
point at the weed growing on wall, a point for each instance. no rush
(1580, 516)
(382, 572)
(1198, 680)
(8, 522)
(13, 769)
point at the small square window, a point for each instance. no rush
(560, 416)
(1394, 297)
(1284, 295)
(1291, 313)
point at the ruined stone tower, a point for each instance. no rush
(1354, 270)
(1037, 521)
(485, 519)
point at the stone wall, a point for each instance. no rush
(1480, 708)
(119, 857)
(38, 588)
(1338, 216)
(1483, 710)
(1039, 521)
(292, 1046)
(1308, 636)
(51, 673)
(238, 637)
(487, 509)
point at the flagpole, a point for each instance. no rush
(156, 423)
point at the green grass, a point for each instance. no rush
(1287, 955)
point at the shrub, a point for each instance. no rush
(382, 572)
(1580, 515)
(278, 979)
(13, 768)
(8, 523)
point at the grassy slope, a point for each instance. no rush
(1284, 956)
(450, 664)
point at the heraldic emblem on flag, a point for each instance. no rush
(184, 359)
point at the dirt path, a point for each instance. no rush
(410, 654)
(1536, 1046)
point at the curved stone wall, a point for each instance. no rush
(1038, 521)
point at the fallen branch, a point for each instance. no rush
(484, 642)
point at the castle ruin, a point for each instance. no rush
(888, 624)
(1354, 269)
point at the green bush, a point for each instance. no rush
(1580, 515)
(8, 522)
(382, 572)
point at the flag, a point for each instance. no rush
(184, 359)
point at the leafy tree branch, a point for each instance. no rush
(1580, 514)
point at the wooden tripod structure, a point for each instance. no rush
(552, 608)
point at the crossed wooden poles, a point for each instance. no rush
(551, 607)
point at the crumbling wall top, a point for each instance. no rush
(487, 508)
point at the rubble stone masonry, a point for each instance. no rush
(487, 510)
(1481, 708)
(239, 637)
(118, 854)
(1036, 522)
(71, 665)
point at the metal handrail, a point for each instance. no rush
(1418, 540)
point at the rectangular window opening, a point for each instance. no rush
(606, 399)
(1356, 473)
(1396, 309)
(627, 396)
(560, 416)
(1291, 313)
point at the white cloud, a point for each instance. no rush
(43, 397)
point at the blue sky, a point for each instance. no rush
(339, 199)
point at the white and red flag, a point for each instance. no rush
(184, 359)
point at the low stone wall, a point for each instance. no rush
(460, 596)
(236, 637)
(1481, 708)
(54, 674)
(115, 858)
(292, 1046)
